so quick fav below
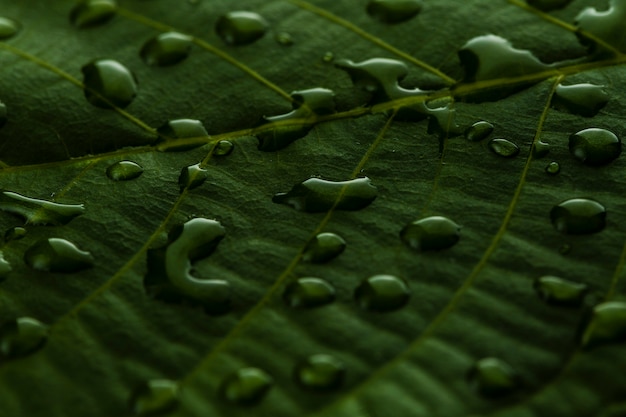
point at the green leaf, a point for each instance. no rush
(466, 283)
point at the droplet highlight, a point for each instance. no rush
(578, 216)
(607, 324)
(503, 147)
(247, 386)
(241, 27)
(39, 212)
(166, 49)
(309, 292)
(22, 337)
(595, 146)
(323, 248)
(382, 293)
(493, 378)
(581, 99)
(155, 397)
(559, 291)
(320, 372)
(8, 28)
(90, 13)
(394, 11)
(431, 233)
(109, 84)
(3, 114)
(478, 131)
(57, 255)
(124, 171)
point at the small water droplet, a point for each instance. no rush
(607, 324)
(15, 233)
(317, 195)
(559, 291)
(155, 397)
(90, 13)
(247, 386)
(541, 149)
(224, 148)
(169, 267)
(124, 171)
(478, 131)
(174, 132)
(57, 255)
(323, 248)
(191, 177)
(578, 216)
(503, 147)
(582, 99)
(241, 28)
(284, 38)
(382, 293)
(394, 11)
(320, 372)
(328, 57)
(492, 377)
(553, 168)
(607, 25)
(108, 83)
(166, 49)
(22, 337)
(548, 5)
(595, 146)
(565, 249)
(35, 211)
(5, 267)
(309, 292)
(431, 233)
(3, 114)
(8, 28)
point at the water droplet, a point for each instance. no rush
(169, 267)
(582, 99)
(492, 377)
(8, 28)
(166, 49)
(394, 11)
(431, 233)
(541, 149)
(309, 292)
(3, 114)
(548, 5)
(478, 131)
(607, 324)
(5, 267)
(323, 248)
(284, 38)
(578, 216)
(241, 28)
(559, 291)
(247, 386)
(382, 293)
(191, 177)
(320, 373)
(328, 57)
(14, 233)
(595, 146)
(565, 249)
(553, 168)
(503, 147)
(90, 13)
(155, 397)
(35, 211)
(317, 195)
(57, 255)
(223, 148)
(109, 83)
(607, 25)
(174, 133)
(124, 171)
(22, 337)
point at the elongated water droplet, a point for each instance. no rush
(5, 267)
(478, 131)
(553, 168)
(559, 291)
(21, 337)
(548, 5)
(284, 38)
(223, 148)
(382, 293)
(191, 177)
(541, 149)
(578, 216)
(323, 248)
(492, 377)
(35, 211)
(595, 146)
(316, 195)
(166, 49)
(109, 84)
(248, 386)
(8, 28)
(124, 171)
(320, 372)
(174, 133)
(90, 13)
(57, 255)
(394, 11)
(309, 292)
(241, 28)
(607, 324)
(503, 147)
(431, 233)
(155, 397)
(3, 114)
(169, 267)
(14, 233)
(607, 25)
(582, 99)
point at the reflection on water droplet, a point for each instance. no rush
(595, 146)
(5, 267)
(309, 292)
(394, 11)
(166, 49)
(284, 38)
(124, 171)
(169, 278)
(607, 25)
(14, 233)
(247, 386)
(320, 373)
(382, 293)
(3, 114)
(578, 216)
(35, 211)
(174, 133)
(89, 13)
(108, 83)
(22, 337)
(607, 324)
(548, 5)
(323, 248)
(582, 99)
(241, 28)
(431, 233)
(223, 148)
(316, 195)
(8, 28)
(478, 131)
(492, 377)
(191, 177)
(57, 255)
(540, 149)
(155, 397)
(503, 147)
(559, 291)
(553, 168)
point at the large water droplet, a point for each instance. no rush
(478, 131)
(8, 28)
(582, 99)
(57, 255)
(320, 373)
(595, 146)
(578, 216)
(174, 133)
(155, 397)
(35, 211)
(492, 377)
(607, 324)
(3, 114)
(191, 177)
(124, 171)
(431, 233)
(503, 147)
(309, 292)
(5, 267)
(607, 25)
(22, 337)
(247, 386)
(223, 148)
(109, 83)
(548, 5)
(15, 233)
(559, 291)
(241, 28)
(166, 49)
(553, 168)
(169, 268)
(394, 11)
(317, 195)
(382, 293)
(323, 248)
(89, 13)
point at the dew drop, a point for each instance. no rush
(109, 84)
(578, 216)
(559, 291)
(223, 148)
(328, 57)
(241, 28)
(155, 397)
(248, 386)
(309, 292)
(57, 255)
(35, 211)
(22, 336)
(169, 267)
(581, 99)
(8, 28)
(431, 233)
(317, 195)
(323, 248)
(3, 114)
(553, 168)
(124, 171)
(607, 324)
(548, 5)
(541, 149)
(382, 293)
(503, 147)
(14, 233)
(191, 177)
(595, 146)
(174, 132)
(478, 131)
(320, 372)
(5, 267)
(284, 39)
(394, 11)
(90, 13)
(492, 377)
(607, 25)
(166, 49)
